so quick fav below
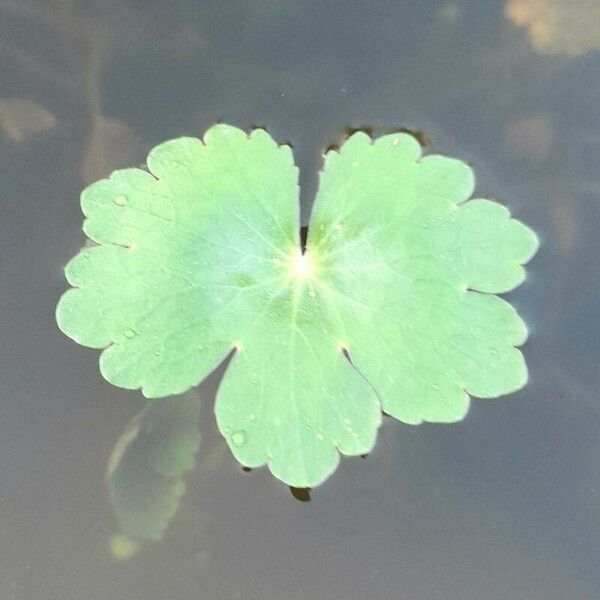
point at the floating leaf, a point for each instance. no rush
(146, 467)
(202, 256)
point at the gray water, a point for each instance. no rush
(503, 506)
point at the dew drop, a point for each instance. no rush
(320, 436)
(435, 386)
(396, 141)
(252, 416)
(120, 200)
(238, 437)
(347, 422)
(312, 293)
(129, 334)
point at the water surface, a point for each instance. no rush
(503, 506)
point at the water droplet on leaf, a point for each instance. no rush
(238, 438)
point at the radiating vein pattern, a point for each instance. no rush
(200, 256)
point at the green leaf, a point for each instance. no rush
(145, 471)
(201, 256)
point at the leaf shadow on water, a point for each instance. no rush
(148, 465)
(145, 473)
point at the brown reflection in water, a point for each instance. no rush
(22, 119)
(558, 27)
(530, 137)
